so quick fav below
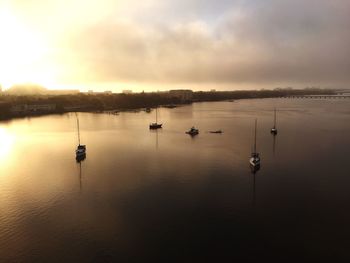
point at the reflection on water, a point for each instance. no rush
(254, 191)
(80, 175)
(274, 144)
(155, 132)
(146, 195)
(6, 142)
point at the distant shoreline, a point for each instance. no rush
(15, 106)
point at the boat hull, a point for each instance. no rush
(192, 133)
(274, 131)
(218, 131)
(154, 126)
(80, 151)
(254, 162)
(80, 157)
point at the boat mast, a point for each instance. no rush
(78, 128)
(274, 124)
(255, 136)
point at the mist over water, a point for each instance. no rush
(144, 195)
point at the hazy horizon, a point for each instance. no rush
(156, 45)
(33, 88)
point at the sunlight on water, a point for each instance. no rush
(151, 191)
(6, 142)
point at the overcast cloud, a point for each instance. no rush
(262, 43)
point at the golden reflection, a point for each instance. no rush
(6, 142)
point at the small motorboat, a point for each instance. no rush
(193, 131)
(155, 125)
(218, 131)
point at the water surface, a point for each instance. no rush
(144, 195)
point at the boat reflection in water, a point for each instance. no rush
(156, 132)
(80, 176)
(81, 157)
(254, 170)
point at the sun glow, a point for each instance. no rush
(22, 53)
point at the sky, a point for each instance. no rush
(167, 44)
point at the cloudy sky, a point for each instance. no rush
(163, 44)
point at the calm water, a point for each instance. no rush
(143, 196)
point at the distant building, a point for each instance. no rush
(127, 91)
(183, 94)
(213, 90)
(90, 91)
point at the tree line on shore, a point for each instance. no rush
(100, 101)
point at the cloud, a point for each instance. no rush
(267, 42)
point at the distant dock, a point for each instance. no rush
(347, 96)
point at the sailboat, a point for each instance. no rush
(80, 152)
(155, 125)
(255, 157)
(274, 129)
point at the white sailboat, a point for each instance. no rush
(155, 125)
(255, 157)
(80, 152)
(274, 128)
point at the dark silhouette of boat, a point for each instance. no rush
(170, 106)
(155, 125)
(193, 131)
(217, 131)
(80, 152)
(274, 129)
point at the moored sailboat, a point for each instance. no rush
(274, 128)
(80, 152)
(155, 125)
